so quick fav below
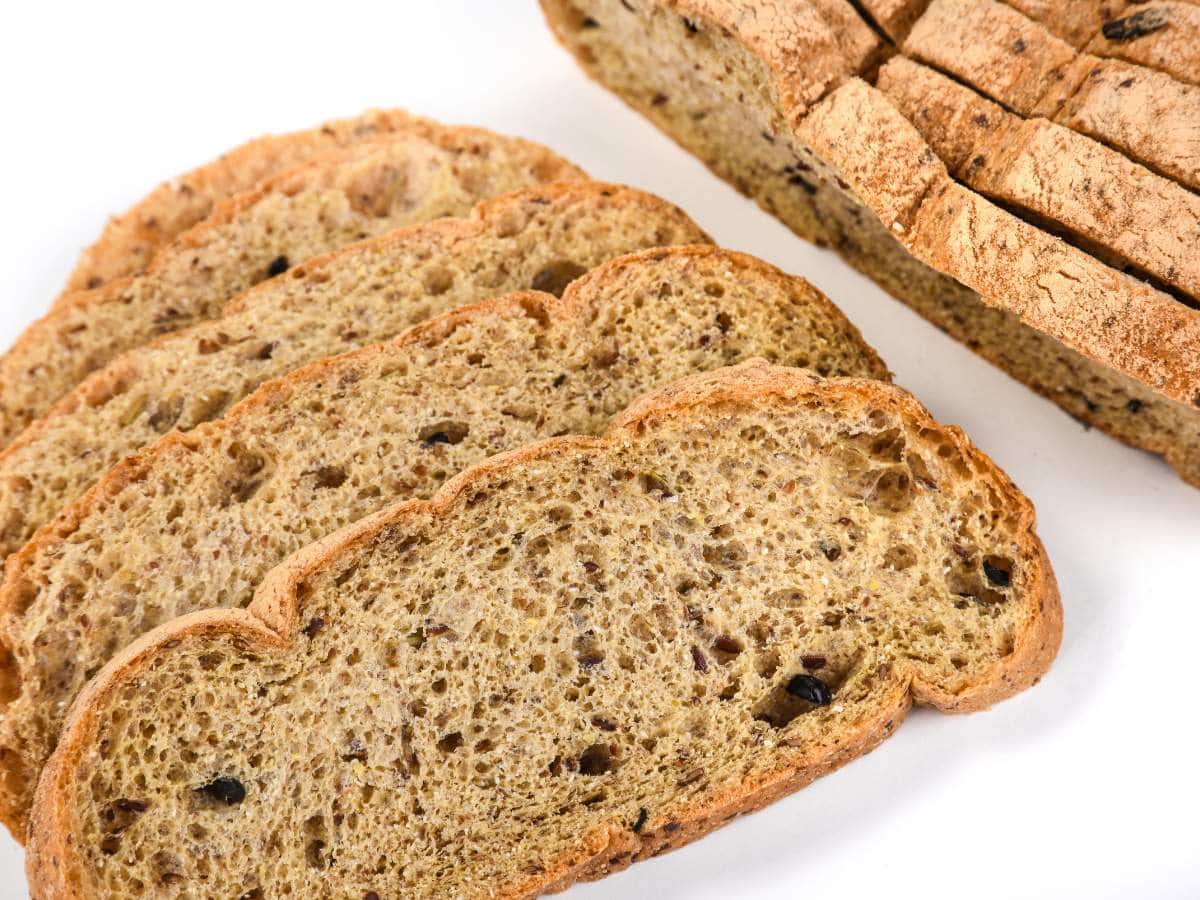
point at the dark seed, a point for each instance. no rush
(227, 790)
(800, 181)
(699, 662)
(1134, 406)
(995, 575)
(313, 626)
(831, 550)
(278, 266)
(589, 22)
(690, 26)
(810, 688)
(1136, 26)
(671, 827)
(370, 895)
(560, 380)
(812, 662)
(658, 99)
(641, 820)
(603, 724)
(1018, 45)
(131, 806)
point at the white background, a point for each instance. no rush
(1087, 786)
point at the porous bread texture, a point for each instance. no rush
(130, 240)
(838, 162)
(343, 196)
(576, 656)
(196, 520)
(537, 238)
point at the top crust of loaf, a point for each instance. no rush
(130, 240)
(876, 156)
(273, 621)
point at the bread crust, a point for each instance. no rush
(273, 619)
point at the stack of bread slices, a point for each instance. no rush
(394, 512)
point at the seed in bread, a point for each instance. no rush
(578, 655)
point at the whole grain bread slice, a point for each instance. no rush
(536, 238)
(197, 519)
(130, 240)
(577, 655)
(836, 160)
(343, 196)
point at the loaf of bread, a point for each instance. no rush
(368, 292)
(343, 196)
(578, 655)
(1032, 194)
(197, 519)
(130, 240)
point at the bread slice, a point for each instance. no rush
(577, 655)
(346, 195)
(368, 292)
(836, 159)
(196, 520)
(130, 240)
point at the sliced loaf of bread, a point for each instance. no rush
(1066, 253)
(130, 240)
(578, 655)
(537, 238)
(197, 519)
(343, 196)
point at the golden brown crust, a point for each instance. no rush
(274, 618)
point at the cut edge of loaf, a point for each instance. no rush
(273, 620)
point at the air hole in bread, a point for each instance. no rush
(554, 278)
(444, 432)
